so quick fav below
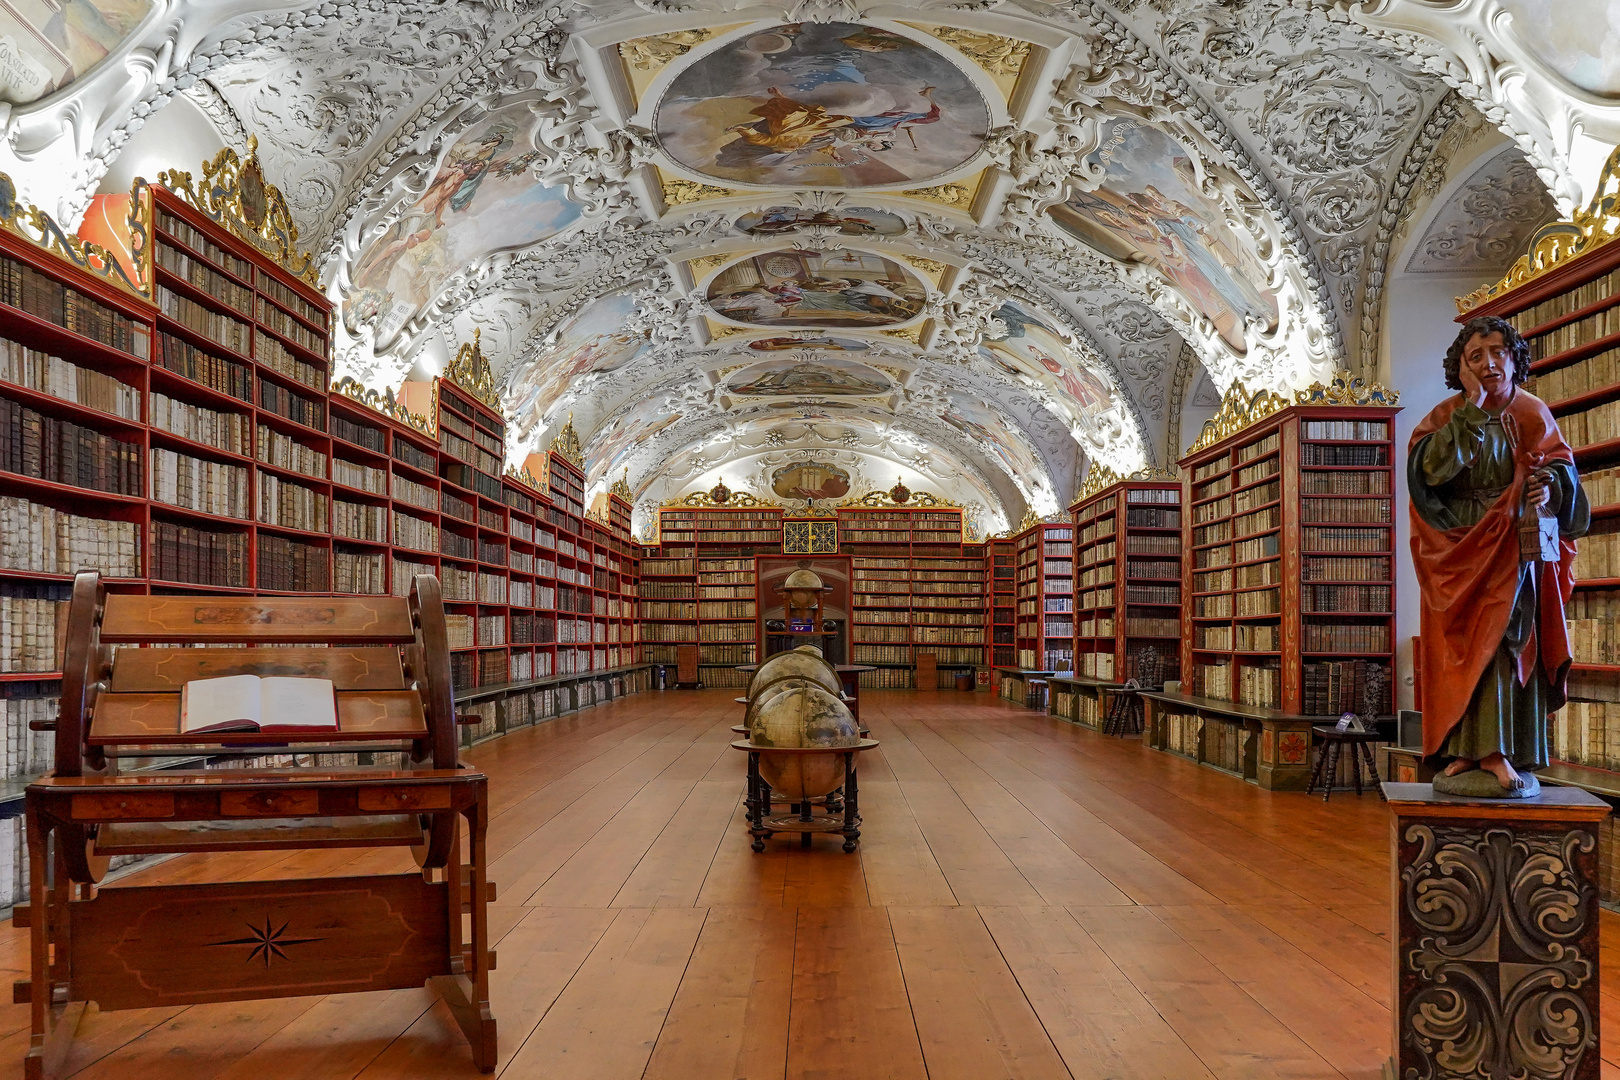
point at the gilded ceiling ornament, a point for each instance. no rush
(997, 55)
(470, 371)
(930, 267)
(679, 191)
(621, 486)
(722, 330)
(1100, 476)
(1561, 241)
(1238, 410)
(946, 194)
(702, 264)
(386, 404)
(37, 227)
(235, 193)
(912, 334)
(567, 444)
(652, 53)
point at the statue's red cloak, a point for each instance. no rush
(1469, 577)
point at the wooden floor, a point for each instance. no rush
(1030, 900)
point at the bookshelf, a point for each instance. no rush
(1288, 573)
(1000, 588)
(204, 451)
(1127, 567)
(1045, 595)
(1564, 298)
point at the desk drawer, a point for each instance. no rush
(130, 806)
(269, 803)
(387, 799)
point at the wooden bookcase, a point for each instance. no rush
(209, 454)
(1288, 578)
(1127, 586)
(1044, 580)
(1569, 314)
(1000, 587)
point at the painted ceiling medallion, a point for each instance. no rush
(835, 105)
(808, 341)
(1150, 208)
(825, 378)
(849, 220)
(594, 341)
(837, 290)
(810, 480)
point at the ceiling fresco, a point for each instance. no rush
(45, 44)
(1149, 207)
(1579, 39)
(807, 379)
(837, 105)
(970, 250)
(810, 480)
(831, 290)
(482, 198)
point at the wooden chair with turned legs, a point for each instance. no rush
(149, 946)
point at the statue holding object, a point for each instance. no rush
(1496, 508)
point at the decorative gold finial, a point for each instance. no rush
(235, 194)
(1239, 409)
(470, 371)
(566, 444)
(719, 493)
(621, 486)
(900, 493)
(1100, 476)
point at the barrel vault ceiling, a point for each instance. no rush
(974, 246)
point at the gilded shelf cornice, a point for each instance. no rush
(40, 229)
(567, 445)
(913, 500)
(1561, 241)
(1241, 409)
(528, 479)
(732, 500)
(1345, 389)
(233, 192)
(621, 487)
(386, 404)
(1100, 476)
(470, 371)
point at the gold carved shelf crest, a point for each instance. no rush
(621, 487)
(386, 404)
(40, 229)
(913, 500)
(470, 371)
(1100, 476)
(731, 500)
(1557, 243)
(567, 445)
(1241, 409)
(234, 193)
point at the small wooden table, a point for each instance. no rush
(764, 823)
(1327, 759)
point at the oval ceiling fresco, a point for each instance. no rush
(826, 378)
(592, 341)
(835, 290)
(819, 341)
(1149, 207)
(851, 221)
(810, 480)
(46, 44)
(831, 105)
(483, 198)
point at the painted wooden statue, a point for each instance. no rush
(1496, 508)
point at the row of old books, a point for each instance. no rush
(1260, 602)
(1257, 637)
(407, 490)
(974, 655)
(201, 245)
(67, 381)
(657, 610)
(726, 631)
(879, 632)
(201, 366)
(735, 609)
(203, 276)
(1598, 553)
(1254, 575)
(288, 565)
(1571, 335)
(460, 630)
(23, 287)
(62, 452)
(492, 629)
(360, 434)
(1588, 733)
(1330, 540)
(359, 572)
(1345, 430)
(291, 329)
(413, 532)
(1594, 373)
(295, 407)
(1331, 637)
(1337, 568)
(1260, 684)
(1344, 483)
(277, 357)
(199, 556)
(45, 540)
(1371, 599)
(962, 635)
(31, 618)
(1340, 686)
(291, 505)
(1594, 635)
(360, 521)
(283, 451)
(216, 326)
(1096, 626)
(226, 431)
(287, 298)
(1347, 510)
(881, 654)
(211, 487)
(1595, 425)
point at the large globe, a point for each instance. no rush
(803, 716)
(804, 662)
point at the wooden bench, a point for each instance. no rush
(147, 946)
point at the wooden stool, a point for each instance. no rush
(1327, 758)
(1125, 715)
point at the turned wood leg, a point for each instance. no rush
(1377, 780)
(852, 816)
(1331, 773)
(1316, 773)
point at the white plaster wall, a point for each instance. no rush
(179, 136)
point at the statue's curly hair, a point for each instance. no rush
(1484, 325)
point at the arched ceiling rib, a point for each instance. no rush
(970, 243)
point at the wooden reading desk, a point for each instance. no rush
(146, 946)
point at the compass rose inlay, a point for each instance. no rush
(267, 941)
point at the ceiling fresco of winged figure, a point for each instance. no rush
(977, 247)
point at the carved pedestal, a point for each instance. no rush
(1496, 934)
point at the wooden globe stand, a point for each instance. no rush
(763, 822)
